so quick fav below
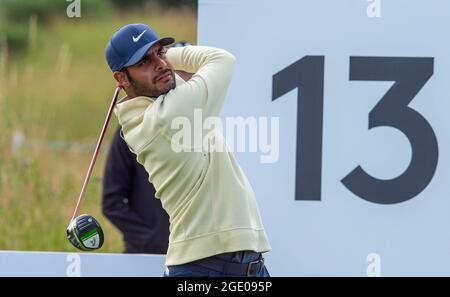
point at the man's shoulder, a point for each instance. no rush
(131, 108)
(141, 122)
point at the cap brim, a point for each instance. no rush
(140, 53)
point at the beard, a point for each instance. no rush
(144, 89)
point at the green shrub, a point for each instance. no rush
(16, 34)
(21, 10)
(15, 16)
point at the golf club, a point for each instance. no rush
(84, 231)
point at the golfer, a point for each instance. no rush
(215, 226)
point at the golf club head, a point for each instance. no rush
(85, 233)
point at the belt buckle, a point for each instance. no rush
(250, 264)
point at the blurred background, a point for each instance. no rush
(55, 90)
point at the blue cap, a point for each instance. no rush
(130, 44)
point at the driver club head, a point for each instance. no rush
(85, 233)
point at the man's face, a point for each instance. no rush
(152, 76)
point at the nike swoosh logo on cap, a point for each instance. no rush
(136, 39)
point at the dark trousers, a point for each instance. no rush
(236, 264)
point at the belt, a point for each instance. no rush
(240, 269)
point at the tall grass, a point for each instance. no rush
(59, 89)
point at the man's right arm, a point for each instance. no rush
(212, 70)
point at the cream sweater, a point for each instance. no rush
(211, 204)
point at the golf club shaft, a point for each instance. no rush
(97, 148)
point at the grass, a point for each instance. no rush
(60, 91)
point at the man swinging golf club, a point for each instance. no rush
(215, 226)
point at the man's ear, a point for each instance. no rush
(121, 78)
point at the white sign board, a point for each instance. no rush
(362, 91)
(55, 264)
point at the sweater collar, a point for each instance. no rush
(131, 108)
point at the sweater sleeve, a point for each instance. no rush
(212, 70)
